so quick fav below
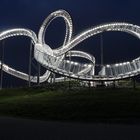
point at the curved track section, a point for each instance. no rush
(20, 32)
(68, 22)
(69, 29)
(108, 72)
(120, 27)
(64, 61)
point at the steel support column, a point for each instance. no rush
(30, 64)
(2, 60)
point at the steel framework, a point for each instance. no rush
(57, 60)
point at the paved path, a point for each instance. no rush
(22, 129)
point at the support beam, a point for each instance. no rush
(114, 84)
(30, 66)
(2, 61)
(89, 86)
(134, 83)
(53, 77)
(102, 50)
(38, 75)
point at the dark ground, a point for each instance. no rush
(21, 129)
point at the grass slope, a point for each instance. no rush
(94, 105)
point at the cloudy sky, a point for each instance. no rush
(85, 13)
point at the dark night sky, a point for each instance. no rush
(85, 13)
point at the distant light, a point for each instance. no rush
(108, 66)
(128, 62)
(76, 63)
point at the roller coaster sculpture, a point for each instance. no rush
(56, 60)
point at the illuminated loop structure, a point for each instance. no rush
(59, 60)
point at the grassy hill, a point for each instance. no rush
(60, 104)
